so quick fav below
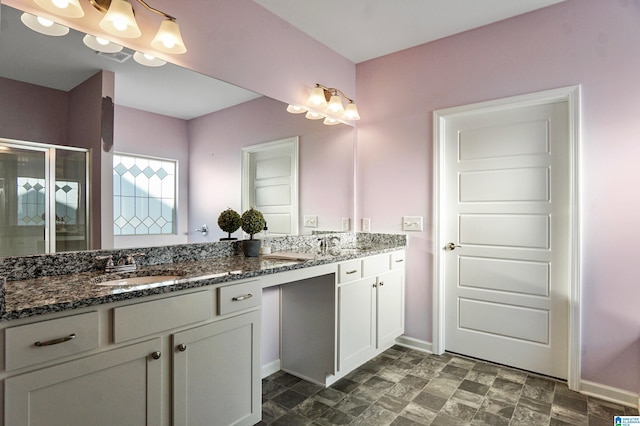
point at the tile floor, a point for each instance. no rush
(406, 387)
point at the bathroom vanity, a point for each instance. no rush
(188, 351)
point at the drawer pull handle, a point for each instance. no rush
(56, 341)
(399, 260)
(243, 297)
(352, 272)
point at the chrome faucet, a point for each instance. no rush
(124, 264)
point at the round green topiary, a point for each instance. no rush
(229, 221)
(252, 222)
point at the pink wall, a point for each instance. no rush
(33, 113)
(594, 43)
(237, 41)
(155, 135)
(216, 140)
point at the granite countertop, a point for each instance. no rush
(37, 296)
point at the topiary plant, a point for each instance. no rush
(229, 221)
(252, 222)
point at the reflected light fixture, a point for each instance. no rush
(326, 102)
(148, 60)
(119, 21)
(100, 44)
(43, 25)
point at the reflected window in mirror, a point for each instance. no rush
(144, 195)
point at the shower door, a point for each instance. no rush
(43, 198)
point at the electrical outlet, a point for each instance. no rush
(346, 224)
(366, 224)
(310, 221)
(412, 223)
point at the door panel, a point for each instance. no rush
(507, 200)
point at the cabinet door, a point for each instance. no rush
(117, 387)
(356, 318)
(390, 307)
(216, 373)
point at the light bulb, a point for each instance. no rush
(120, 24)
(168, 38)
(62, 4)
(335, 105)
(102, 41)
(316, 98)
(44, 21)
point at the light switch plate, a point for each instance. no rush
(310, 221)
(366, 224)
(346, 224)
(412, 223)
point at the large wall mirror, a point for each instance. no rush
(166, 113)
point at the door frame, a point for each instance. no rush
(571, 95)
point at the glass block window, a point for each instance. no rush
(144, 195)
(32, 201)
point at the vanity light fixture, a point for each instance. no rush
(119, 20)
(43, 25)
(326, 102)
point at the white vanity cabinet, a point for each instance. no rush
(330, 326)
(116, 387)
(371, 308)
(185, 358)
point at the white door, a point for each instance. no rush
(270, 183)
(506, 181)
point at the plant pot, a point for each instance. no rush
(251, 248)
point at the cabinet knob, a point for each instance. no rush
(375, 285)
(182, 347)
(156, 355)
(381, 283)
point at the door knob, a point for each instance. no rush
(452, 246)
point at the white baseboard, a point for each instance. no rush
(608, 393)
(270, 368)
(416, 344)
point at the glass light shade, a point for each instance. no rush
(168, 38)
(316, 98)
(351, 112)
(68, 8)
(100, 44)
(120, 21)
(296, 109)
(148, 60)
(43, 26)
(335, 105)
(312, 115)
(330, 121)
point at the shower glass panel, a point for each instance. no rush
(43, 200)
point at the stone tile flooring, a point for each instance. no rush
(407, 387)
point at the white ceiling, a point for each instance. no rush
(365, 29)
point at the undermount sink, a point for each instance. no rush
(140, 278)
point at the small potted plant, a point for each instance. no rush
(252, 222)
(229, 221)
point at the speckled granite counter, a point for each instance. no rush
(54, 293)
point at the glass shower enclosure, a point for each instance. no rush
(43, 198)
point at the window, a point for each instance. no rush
(144, 195)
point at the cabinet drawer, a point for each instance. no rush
(397, 259)
(143, 319)
(47, 340)
(349, 271)
(375, 265)
(236, 297)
